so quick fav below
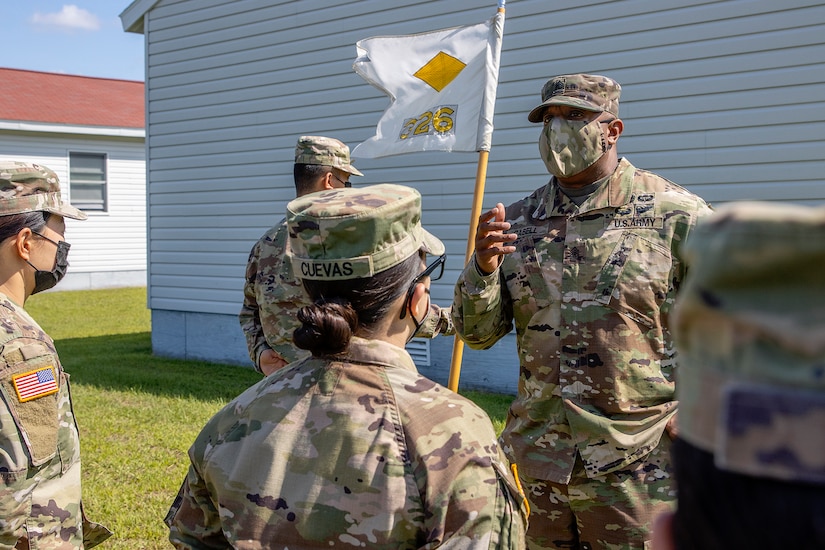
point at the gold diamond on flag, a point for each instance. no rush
(440, 70)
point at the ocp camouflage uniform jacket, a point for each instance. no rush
(39, 444)
(273, 296)
(354, 450)
(589, 289)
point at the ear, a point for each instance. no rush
(326, 182)
(23, 243)
(420, 301)
(614, 130)
(663, 532)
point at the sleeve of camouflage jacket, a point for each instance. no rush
(500, 523)
(438, 322)
(481, 311)
(249, 316)
(193, 520)
(470, 498)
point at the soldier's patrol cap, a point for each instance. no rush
(749, 325)
(350, 233)
(590, 92)
(325, 151)
(27, 187)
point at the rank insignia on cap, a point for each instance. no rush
(558, 88)
(34, 384)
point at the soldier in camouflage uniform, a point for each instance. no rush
(40, 505)
(750, 327)
(587, 268)
(272, 295)
(351, 447)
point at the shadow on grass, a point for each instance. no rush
(124, 362)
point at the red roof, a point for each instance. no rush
(33, 96)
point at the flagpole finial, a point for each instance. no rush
(501, 4)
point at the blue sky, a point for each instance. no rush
(80, 37)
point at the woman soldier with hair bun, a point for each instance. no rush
(351, 446)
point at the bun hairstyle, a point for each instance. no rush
(342, 308)
(326, 326)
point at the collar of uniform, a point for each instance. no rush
(11, 304)
(376, 352)
(617, 192)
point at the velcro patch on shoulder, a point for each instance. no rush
(772, 432)
(36, 383)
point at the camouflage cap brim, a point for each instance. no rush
(65, 209)
(537, 114)
(42, 202)
(350, 169)
(431, 244)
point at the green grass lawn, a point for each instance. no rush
(139, 413)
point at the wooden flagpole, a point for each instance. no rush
(478, 197)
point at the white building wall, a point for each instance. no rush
(723, 97)
(108, 249)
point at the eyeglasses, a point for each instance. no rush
(434, 271)
(42, 236)
(346, 183)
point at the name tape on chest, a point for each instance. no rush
(645, 222)
(640, 214)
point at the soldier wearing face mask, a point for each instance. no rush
(40, 504)
(587, 269)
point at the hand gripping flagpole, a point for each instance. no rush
(475, 212)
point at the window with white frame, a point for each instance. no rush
(87, 181)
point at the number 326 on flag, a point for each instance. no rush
(441, 120)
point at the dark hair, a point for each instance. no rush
(305, 176)
(720, 510)
(341, 308)
(12, 224)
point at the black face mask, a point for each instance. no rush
(44, 280)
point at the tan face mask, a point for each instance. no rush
(568, 147)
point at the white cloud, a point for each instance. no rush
(70, 17)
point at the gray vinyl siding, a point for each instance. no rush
(109, 248)
(723, 97)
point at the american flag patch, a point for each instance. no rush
(34, 384)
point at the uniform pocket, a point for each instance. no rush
(30, 390)
(634, 280)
